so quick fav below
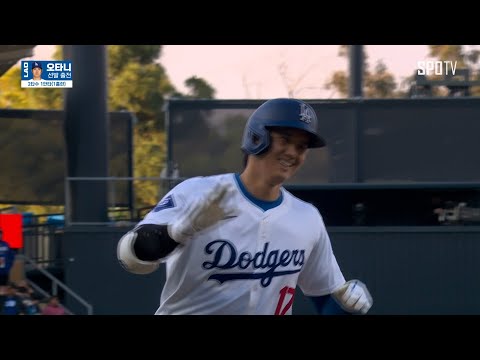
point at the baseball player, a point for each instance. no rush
(37, 71)
(241, 243)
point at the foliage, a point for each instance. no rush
(141, 89)
(379, 83)
(120, 56)
(199, 88)
(12, 96)
(150, 154)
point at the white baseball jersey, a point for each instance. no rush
(250, 263)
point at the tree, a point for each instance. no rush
(12, 96)
(139, 83)
(120, 55)
(380, 83)
(377, 84)
(199, 88)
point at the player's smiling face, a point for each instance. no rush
(37, 72)
(287, 152)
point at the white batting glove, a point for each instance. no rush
(354, 297)
(202, 213)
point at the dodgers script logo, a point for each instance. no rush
(274, 262)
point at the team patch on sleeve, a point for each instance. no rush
(166, 203)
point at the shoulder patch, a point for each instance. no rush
(166, 203)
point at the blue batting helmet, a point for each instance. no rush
(36, 64)
(279, 113)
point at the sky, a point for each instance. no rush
(268, 71)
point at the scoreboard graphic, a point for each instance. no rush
(46, 74)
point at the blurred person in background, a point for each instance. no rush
(11, 303)
(53, 307)
(7, 257)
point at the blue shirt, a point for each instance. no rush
(7, 256)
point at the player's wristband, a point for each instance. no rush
(153, 242)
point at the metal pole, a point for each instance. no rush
(86, 132)
(356, 71)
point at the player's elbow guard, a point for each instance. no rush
(128, 259)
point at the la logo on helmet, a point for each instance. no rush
(305, 114)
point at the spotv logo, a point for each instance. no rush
(436, 67)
